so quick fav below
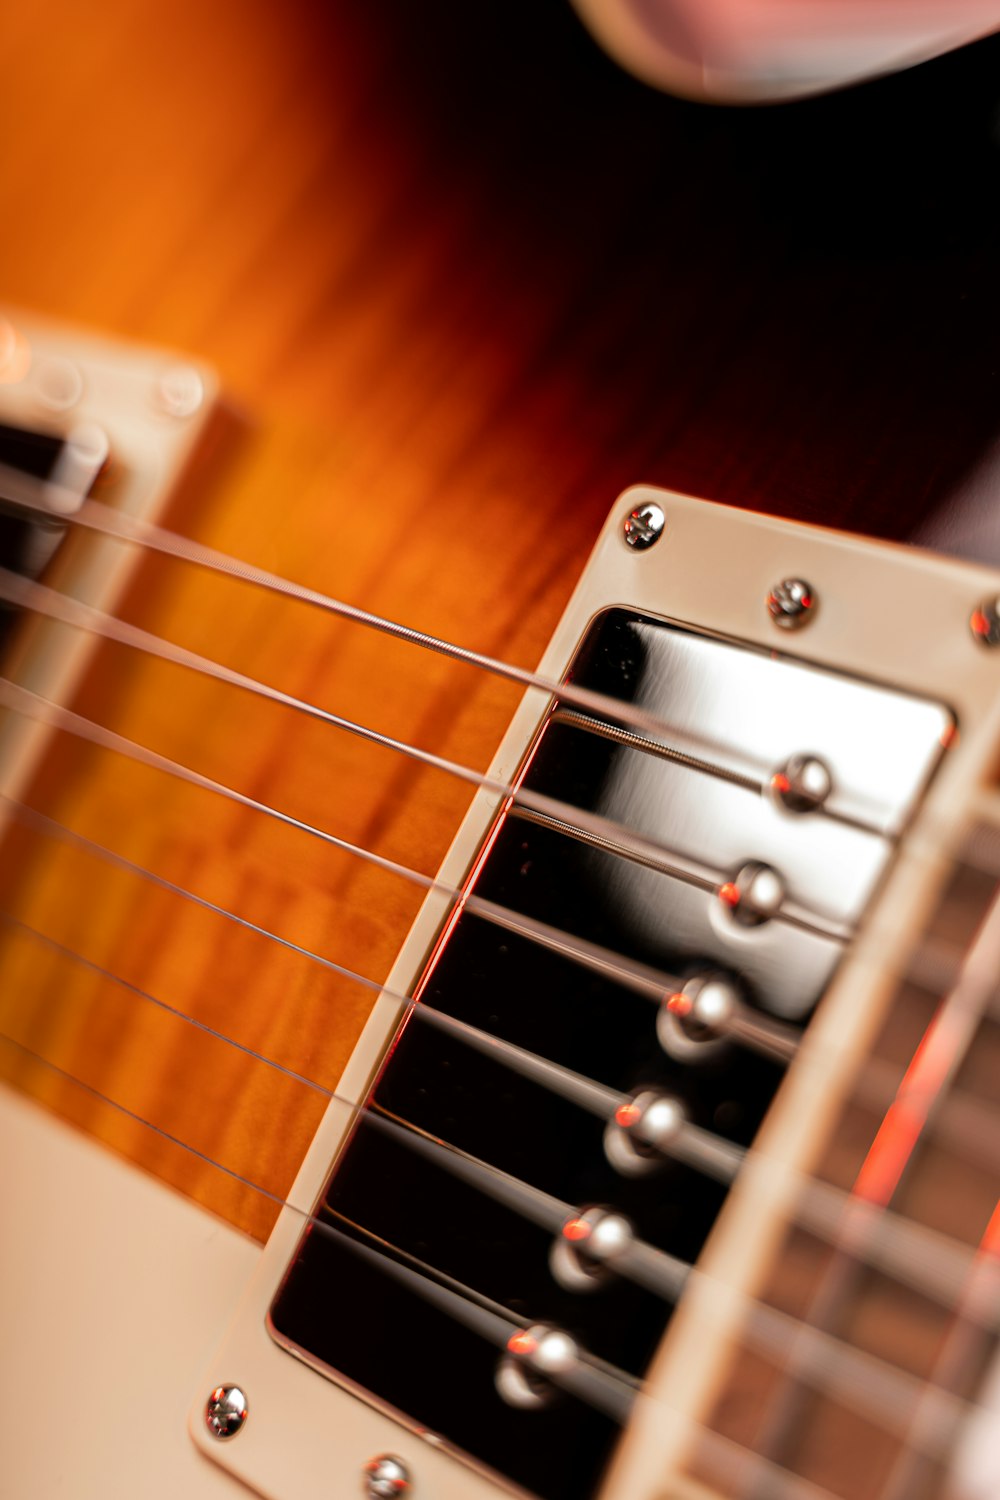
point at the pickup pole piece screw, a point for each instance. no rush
(644, 526)
(984, 622)
(791, 603)
(225, 1411)
(755, 896)
(803, 783)
(386, 1477)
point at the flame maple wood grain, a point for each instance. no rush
(463, 281)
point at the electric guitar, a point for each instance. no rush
(467, 283)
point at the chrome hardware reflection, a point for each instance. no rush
(386, 1476)
(693, 1022)
(532, 1355)
(823, 824)
(545, 1068)
(791, 603)
(642, 1131)
(803, 784)
(760, 710)
(586, 1246)
(756, 895)
(226, 1411)
(984, 622)
(644, 526)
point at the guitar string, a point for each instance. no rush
(54, 946)
(836, 1368)
(819, 1207)
(855, 1379)
(753, 1029)
(44, 824)
(201, 780)
(855, 1376)
(844, 1367)
(42, 598)
(903, 1249)
(314, 1221)
(53, 604)
(840, 1286)
(956, 1356)
(603, 1386)
(791, 1485)
(473, 902)
(965, 1125)
(935, 1062)
(574, 821)
(756, 1029)
(95, 516)
(41, 495)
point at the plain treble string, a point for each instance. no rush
(54, 946)
(50, 827)
(723, 760)
(573, 821)
(248, 680)
(765, 1034)
(963, 1122)
(92, 515)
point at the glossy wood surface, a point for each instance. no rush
(463, 281)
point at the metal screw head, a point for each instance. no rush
(225, 1411)
(803, 783)
(644, 526)
(385, 1477)
(704, 1007)
(791, 603)
(586, 1244)
(755, 896)
(984, 622)
(641, 1130)
(58, 384)
(179, 391)
(693, 1023)
(530, 1356)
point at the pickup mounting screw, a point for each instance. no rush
(225, 1411)
(386, 1477)
(644, 526)
(791, 603)
(179, 392)
(58, 384)
(984, 622)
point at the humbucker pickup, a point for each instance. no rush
(597, 1040)
(590, 1098)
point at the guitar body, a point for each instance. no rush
(462, 282)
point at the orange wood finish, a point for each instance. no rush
(463, 281)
